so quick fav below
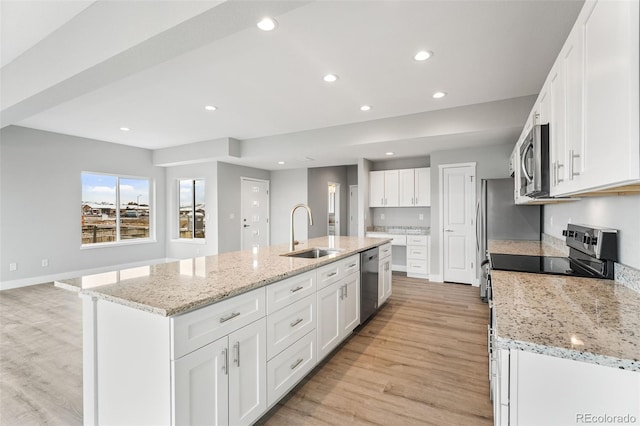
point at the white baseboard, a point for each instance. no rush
(399, 268)
(41, 279)
(436, 278)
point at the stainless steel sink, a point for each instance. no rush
(312, 253)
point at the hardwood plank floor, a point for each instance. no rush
(421, 360)
(40, 356)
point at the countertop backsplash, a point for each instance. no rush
(401, 216)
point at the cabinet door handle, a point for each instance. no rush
(236, 347)
(572, 156)
(297, 363)
(296, 322)
(352, 265)
(346, 292)
(225, 360)
(293, 290)
(231, 315)
(448, 230)
(341, 293)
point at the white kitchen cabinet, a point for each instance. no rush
(418, 256)
(286, 326)
(202, 386)
(383, 188)
(338, 312)
(414, 187)
(407, 187)
(536, 389)
(557, 98)
(384, 274)
(223, 382)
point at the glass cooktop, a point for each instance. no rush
(539, 265)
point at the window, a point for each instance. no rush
(115, 209)
(191, 214)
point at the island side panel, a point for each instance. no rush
(89, 361)
(133, 367)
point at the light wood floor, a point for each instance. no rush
(421, 360)
(40, 356)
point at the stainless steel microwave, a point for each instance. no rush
(534, 162)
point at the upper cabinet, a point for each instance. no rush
(400, 188)
(590, 100)
(383, 188)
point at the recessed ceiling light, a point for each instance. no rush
(330, 78)
(267, 24)
(125, 129)
(365, 108)
(211, 108)
(390, 153)
(439, 95)
(281, 162)
(423, 55)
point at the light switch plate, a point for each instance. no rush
(13, 266)
(421, 216)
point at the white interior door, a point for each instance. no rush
(255, 213)
(458, 223)
(353, 210)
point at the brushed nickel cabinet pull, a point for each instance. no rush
(236, 347)
(296, 322)
(293, 290)
(352, 265)
(225, 359)
(331, 274)
(232, 315)
(297, 363)
(346, 292)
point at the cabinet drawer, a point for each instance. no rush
(202, 326)
(292, 289)
(416, 253)
(328, 274)
(417, 240)
(417, 266)
(288, 368)
(349, 265)
(399, 240)
(288, 325)
(384, 251)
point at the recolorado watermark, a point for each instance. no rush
(589, 418)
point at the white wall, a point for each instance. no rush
(364, 212)
(184, 248)
(288, 188)
(618, 212)
(41, 195)
(491, 162)
(229, 203)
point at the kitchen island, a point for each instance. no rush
(217, 339)
(561, 347)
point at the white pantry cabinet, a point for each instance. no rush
(536, 389)
(383, 188)
(338, 312)
(384, 273)
(223, 382)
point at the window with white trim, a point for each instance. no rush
(115, 208)
(191, 209)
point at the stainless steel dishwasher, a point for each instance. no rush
(368, 283)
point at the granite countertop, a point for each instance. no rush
(400, 230)
(173, 288)
(584, 319)
(531, 248)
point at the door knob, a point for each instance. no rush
(246, 226)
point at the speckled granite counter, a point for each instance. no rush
(400, 230)
(172, 288)
(532, 248)
(585, 319)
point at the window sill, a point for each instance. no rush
(197, 241)
(118, 244)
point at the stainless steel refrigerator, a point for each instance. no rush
(499, 218)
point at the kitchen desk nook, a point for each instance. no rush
(217, 339)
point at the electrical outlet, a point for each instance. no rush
(420, 216)
(232, 216)
(197, 251)
(45, 263)
(13, 266)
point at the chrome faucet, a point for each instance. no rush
(293, 242)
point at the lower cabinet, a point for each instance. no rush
(536, 389)
(338, 312)
(223, 382)
(384, 276)
(418, 256)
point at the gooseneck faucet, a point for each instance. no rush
(292, 241)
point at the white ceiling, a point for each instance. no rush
(157, 82)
